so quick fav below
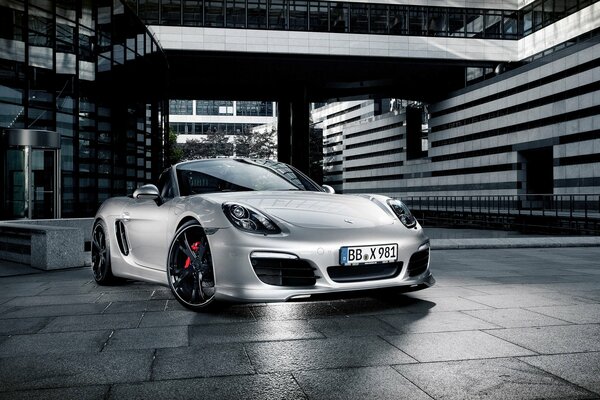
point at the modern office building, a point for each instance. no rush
(196, 119)
(82, 106)
(511, 89)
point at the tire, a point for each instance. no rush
(189, 268)
(101, 255)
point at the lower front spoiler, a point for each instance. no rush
(282, 294)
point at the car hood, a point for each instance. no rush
(313, 209)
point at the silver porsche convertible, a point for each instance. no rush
(256, 230)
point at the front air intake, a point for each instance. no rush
(418, 263)
(284, 272)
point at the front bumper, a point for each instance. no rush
(236, 279)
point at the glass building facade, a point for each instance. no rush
(356, 17)
(74, 68)
(242, 116)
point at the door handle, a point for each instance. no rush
(125, 216)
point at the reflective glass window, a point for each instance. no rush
(170, 12)
(85, 44)
(379, 18)
(509, 29)
(257, 14)
(538, 15)
(192, 12)
(359, 18)
(398, 20)
(437, 22)
(41, 30)
(298, 15)
(319, 16)
(493, 24)
(456, 23)
(148, 11)
(214, 11)
(277, 17)
(11, 23)
(417, 21)
(180, 107)
(236, 13)
(474, 23)
(527, 20)
(338, 14)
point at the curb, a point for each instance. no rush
(509, 243)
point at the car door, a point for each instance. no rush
(147, 222)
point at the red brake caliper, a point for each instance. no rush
(195, 248)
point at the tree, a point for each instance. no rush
(260, 144)
(175, 153)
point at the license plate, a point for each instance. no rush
(368, 254)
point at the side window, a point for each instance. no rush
(165, 186)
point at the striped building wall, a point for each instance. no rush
(492, 139)
(535, 129)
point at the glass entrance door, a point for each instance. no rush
(15, 200)
(31, 177)
(43, 183)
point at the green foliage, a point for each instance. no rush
(175, 151)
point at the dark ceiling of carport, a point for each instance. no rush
(239, 76)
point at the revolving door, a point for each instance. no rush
(31, 174)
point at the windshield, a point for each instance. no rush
(234, 175)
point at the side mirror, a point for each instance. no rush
(146, 192)
(328, 189)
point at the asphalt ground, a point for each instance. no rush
(501, 323)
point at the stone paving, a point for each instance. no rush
(500, 324)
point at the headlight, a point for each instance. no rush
(403, 213)
(249, 220)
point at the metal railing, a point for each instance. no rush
(578, 209)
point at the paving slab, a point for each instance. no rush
(53, 310)
(514, 317)
(515, 300)
(56, 343)
(79, 393)
(358, 383)
(436, 322)
(582, 369)
(22, 325)
(323, 353)
(148, 338)
(73, 323)
(352, 326)
(500, 379)
(74, 369)
(553, 339)
(288, 311)
(187, 317)
(252, 332)
(52, 300)
(250, 387)
(578, 314)
(135, 306)
(201, 361)
(446, 346)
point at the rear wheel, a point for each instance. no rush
(101, 255)
(190, 269)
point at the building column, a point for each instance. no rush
(284, 131)
(300, 135)
(292, 130)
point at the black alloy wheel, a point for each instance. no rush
(189, 270)
(101, 255)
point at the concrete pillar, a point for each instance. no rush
(284, 131)
(300, 135)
